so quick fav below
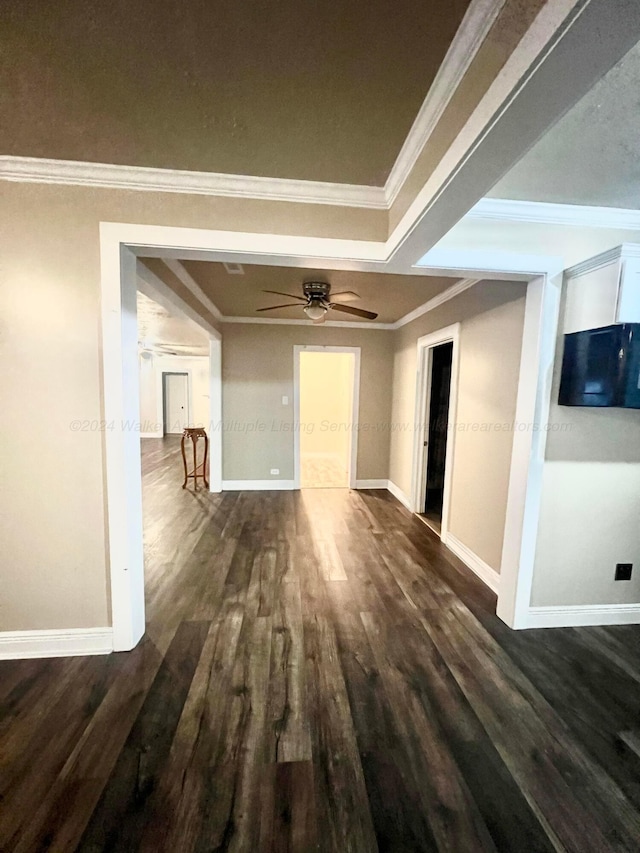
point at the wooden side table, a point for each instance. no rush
(199, 471)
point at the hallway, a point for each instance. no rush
(319, 673)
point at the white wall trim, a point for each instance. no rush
(257, 485)
(154, 287)
(439, 299)
(355, 407)
(110, 176)
(344, 324)
(151, 435)
(118, 244)
(399, 495)
(487, 262)
(215, 415)
(621, 252)
(474, 28)
(372, 484)
(547, 213)
(449, 334)
(192, 286)
(484, 571)
(524, 496)
(569, 616)
(65, 642)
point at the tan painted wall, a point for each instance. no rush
(491, 316)
(590, 514)
(326, 388)
(257, 370)
(52, 504)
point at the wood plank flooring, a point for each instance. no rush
(320, 674)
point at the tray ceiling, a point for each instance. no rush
(390, 296)
(315, 91)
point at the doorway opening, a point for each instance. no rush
(436, 401)
(437, 431)
(326, 403)
(175, 403)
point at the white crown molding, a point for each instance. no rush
(439, 299)
(273, 321)
(547, 213)
(192, 286)
(625, 250)
(569, 616)
(478, 20)
(483, 570)
(110, 176)
(66, 642)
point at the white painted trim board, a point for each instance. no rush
(257, 485)
(583, 615)
(64, 642)
(484, 571)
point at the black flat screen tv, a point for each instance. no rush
(601, 367)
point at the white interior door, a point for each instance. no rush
(176, 402)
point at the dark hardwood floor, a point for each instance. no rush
(319, 673)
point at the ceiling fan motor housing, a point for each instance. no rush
(316, 290)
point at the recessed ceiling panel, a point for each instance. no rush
(390, 296)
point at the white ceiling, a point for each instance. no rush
(592, 155)
(164, 333)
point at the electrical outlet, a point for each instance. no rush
(275, 470)
(623, 571)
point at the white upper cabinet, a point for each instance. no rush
(604, 290)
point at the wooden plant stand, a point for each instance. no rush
(199, 471)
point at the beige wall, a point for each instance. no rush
(590, 514)
(52, 505)
(326, 391)
(257, 370)
(492, 317)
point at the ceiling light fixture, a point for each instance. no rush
(315, 311)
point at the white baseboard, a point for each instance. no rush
(570, 616)
(397, 492)
(67, 642)
(372, 484)
(151, 435)
(476, 564)
(257, 485)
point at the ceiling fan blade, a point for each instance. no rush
(358, 312)
(345, 296)
(290, 295)
(275, 307)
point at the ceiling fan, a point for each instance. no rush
(318, 299)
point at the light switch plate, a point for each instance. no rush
(285, 400)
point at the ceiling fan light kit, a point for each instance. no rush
(315, 310)
(319, 299)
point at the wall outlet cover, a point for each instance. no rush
(275, 470)
(285, 400)
(623, 571)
